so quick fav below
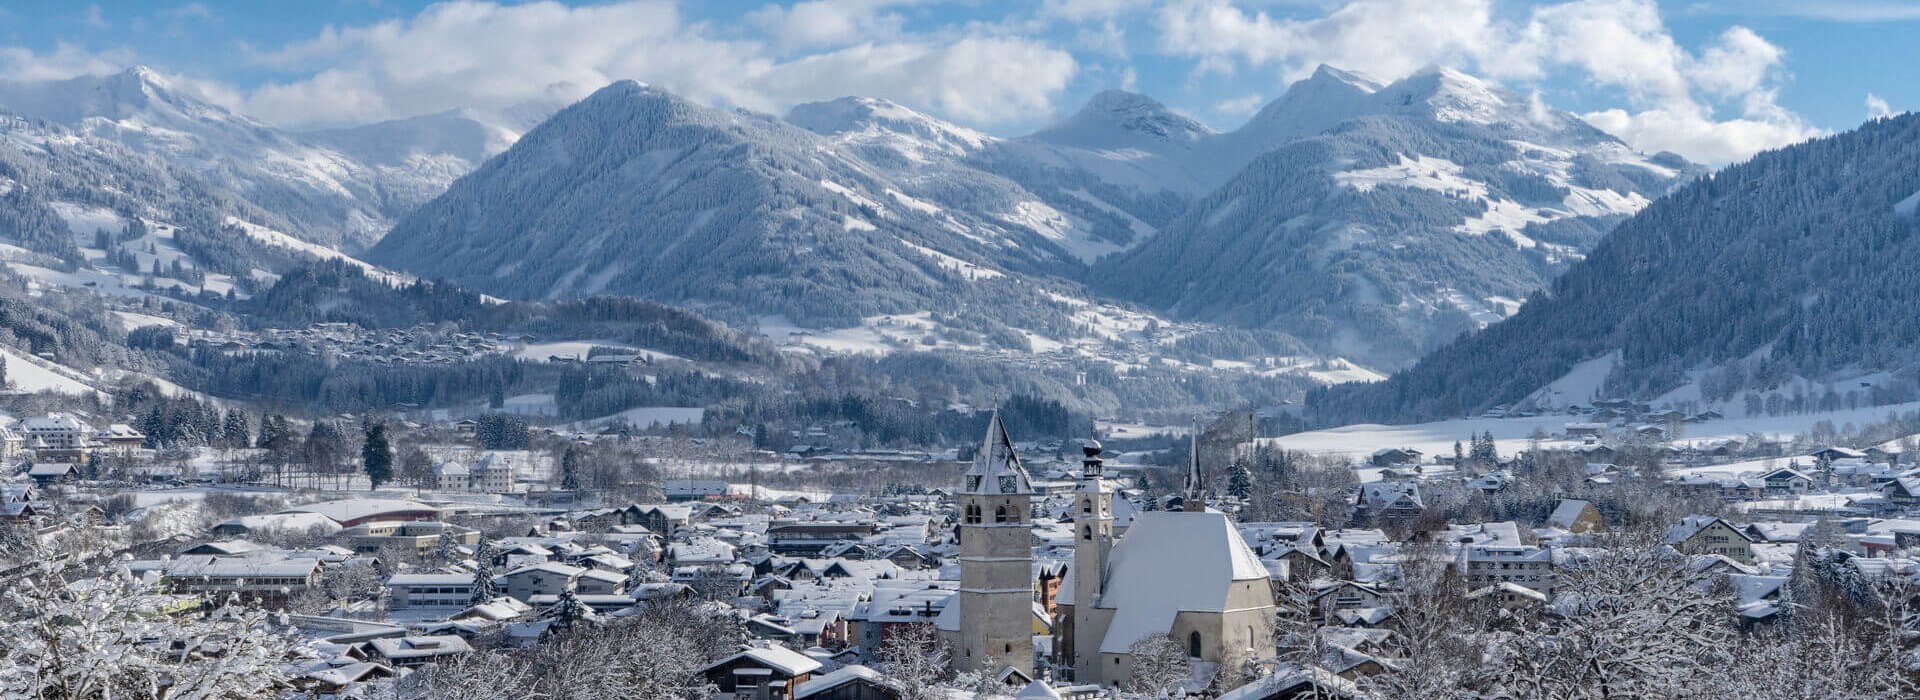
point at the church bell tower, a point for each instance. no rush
(996, 560)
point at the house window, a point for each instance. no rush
(1193, 644)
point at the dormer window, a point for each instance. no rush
(973, 482)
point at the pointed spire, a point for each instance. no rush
(996, 467)
(1195, 498)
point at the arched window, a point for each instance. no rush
(1193, 644)
(1000, 514)
(1086, 532)
(973, 513)
(1086, 506)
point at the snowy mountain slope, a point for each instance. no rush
(317, 191)
(938, 170)
(1388, 219)
(1790, 265)
(648, 194)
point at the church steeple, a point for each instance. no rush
(1194, 500)
(996, 560)
(996, 467)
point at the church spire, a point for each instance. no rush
(996, 467)
(1195, 499)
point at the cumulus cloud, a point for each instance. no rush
(65, 61)
(1878, 108)
(488, 55)
(1716, 104)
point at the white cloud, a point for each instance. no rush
(95, 19)
(1675, 97)
(65, 61)
(486, 55)
(820, 23)
(1240, 107)
(1878, 108)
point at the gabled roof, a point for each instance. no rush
(1567, 514)
(1168, 563)
(847, 674)
(996, 467)
(784, 660)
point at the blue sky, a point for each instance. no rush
(1713, 79)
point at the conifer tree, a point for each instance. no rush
(376, 453)
(482, 572)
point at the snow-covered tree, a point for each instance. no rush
(915, 658)
(1160, 666)
(1630, 622)
(99, 634)
(482, 573)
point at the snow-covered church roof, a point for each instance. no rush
(996, 467)
(1168, 563)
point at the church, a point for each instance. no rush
(1187, 574)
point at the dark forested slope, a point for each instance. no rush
(1808, 253)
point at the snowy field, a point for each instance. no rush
(578, 349)
(1510, 434)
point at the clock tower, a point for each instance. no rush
(996, 560)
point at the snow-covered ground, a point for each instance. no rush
(30, 375)
(578, 349)
(1511, 434)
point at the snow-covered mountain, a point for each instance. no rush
(1787, 270)
(1379, 221)
(339, 189)
(641, 192)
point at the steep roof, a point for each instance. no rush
(996, 467)
(1171, 562)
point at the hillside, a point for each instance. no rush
(1385, 220)
(1794, 263)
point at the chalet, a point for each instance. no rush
(1834, 454)
(760, 673)
(1395, 456)
(1704, 534)
(1389, 500)
(1902, 492)
(1577, 517)
(52, 473)
(1787, 480)
(853, 682)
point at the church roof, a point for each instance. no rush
(1168, 563)
(996, 467)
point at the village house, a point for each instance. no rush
(760, 673)
(1703, 534)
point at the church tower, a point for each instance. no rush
(996, 560)
(1093, 520)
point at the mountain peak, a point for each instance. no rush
(874, 121)
(1122, 119)
(1329, 75)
